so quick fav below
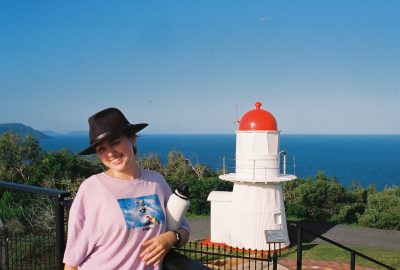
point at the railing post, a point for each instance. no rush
(353, 261)
(60, 235)
(275, 260)
(299, 247)
(3, 248)
(6, 250)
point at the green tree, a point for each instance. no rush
(383, 211)
(313, 197)
(57, 169)
(152, 162)
(354, 205)
(18, 156)
(319, 199)
(179, 167)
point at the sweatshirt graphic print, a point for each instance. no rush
(142, 211)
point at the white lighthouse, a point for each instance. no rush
(253, 214)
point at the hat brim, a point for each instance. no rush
(134, 128)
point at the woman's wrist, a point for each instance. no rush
(181, 236)
(178, 238)
(172, 237)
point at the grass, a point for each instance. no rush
(327, 252)
(195, 216)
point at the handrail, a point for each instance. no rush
(352, 251)
(58, 196)
(55, 193)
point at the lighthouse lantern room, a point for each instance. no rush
(255, 208)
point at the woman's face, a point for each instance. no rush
(117, 154)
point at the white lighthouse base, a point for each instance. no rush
(253, 218)
(220, 222)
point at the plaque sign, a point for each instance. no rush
(274, 236)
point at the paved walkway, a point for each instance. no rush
(347, 235)
(316, 264)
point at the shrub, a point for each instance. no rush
(322, 199)
(18, 156)
(383, 211)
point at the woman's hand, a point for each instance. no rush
(155, 249)
(70, 267)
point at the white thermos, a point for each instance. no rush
(177, 206)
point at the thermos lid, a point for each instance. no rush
(183, 191)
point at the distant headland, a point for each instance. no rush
(22, 130)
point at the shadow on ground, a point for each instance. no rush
(317, 228)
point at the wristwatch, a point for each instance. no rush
(178, 238)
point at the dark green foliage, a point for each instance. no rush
(62, 165)
(296, 210)
(199, 191)
(349, 213)
(9, 207)
(383, 209)
(322, 199)
(18, 156)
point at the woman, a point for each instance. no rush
(117, 219)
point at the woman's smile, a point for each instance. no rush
(117, 154)
(115, 159)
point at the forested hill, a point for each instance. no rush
(21, 130)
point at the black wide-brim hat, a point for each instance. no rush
(105, 124)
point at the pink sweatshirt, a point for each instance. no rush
(110, 219)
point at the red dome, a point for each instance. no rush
(258, 119)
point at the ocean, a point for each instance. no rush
(368, 159)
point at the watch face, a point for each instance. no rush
(178, 237)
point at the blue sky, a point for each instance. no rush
(184, 66)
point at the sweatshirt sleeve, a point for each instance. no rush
(79, 244)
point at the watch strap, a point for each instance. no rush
(178, 238)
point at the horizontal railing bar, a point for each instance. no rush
(229, 255)
(342, 246)
(34, 189)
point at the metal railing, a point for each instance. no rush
(27, 251)
(58, 198)
(221, 257)
(286, 164)
(353, 253)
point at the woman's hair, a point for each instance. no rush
(130, 134)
